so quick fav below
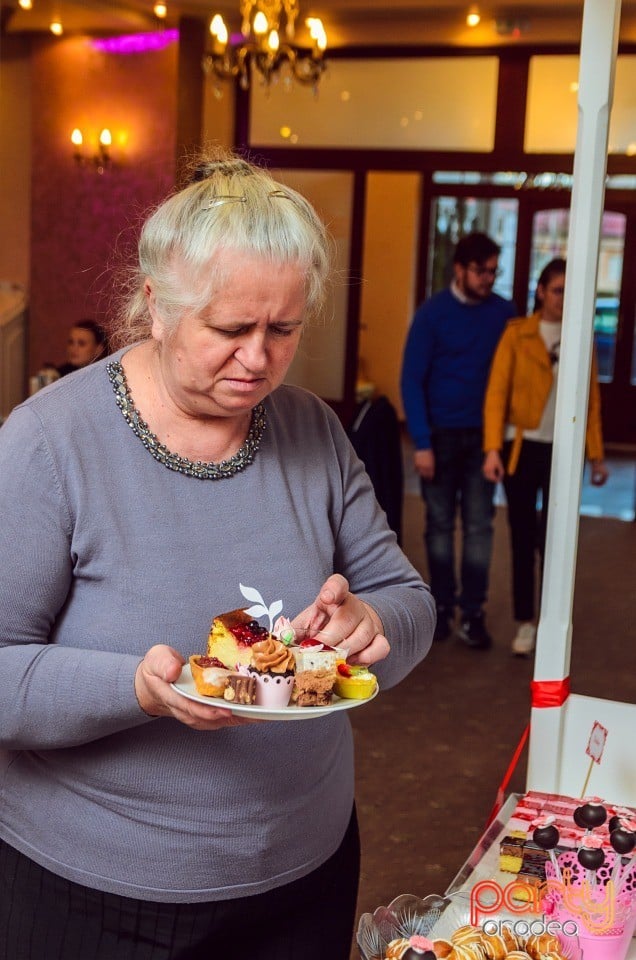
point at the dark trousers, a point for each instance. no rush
(43, 917)
(527, 527)
(458, 482)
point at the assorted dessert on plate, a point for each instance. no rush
(274, 667)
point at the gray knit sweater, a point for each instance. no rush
(106, 552)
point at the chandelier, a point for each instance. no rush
(262, 48)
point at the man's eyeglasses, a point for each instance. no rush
(480, 271)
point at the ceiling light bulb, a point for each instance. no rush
(218, 28)
(76, 137)
(106, 137)
(26, 4)
(317, 32)
(260, 25)
(473, 17)
(273, 41)
(56, 28)
(160, 10)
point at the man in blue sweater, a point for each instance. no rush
(444, 374)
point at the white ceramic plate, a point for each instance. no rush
(186, 687)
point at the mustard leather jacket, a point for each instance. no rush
(519, 386)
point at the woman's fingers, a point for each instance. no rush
(378, 649)
(332, 595)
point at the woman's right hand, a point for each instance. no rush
(493, 468)
(159, 668)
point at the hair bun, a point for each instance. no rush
(231, 167)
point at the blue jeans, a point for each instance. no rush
(458, 481)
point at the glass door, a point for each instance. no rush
(454, 216)
(614, 313)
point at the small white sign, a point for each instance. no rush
(596, 743)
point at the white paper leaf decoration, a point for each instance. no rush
(261, 609)
(275, 609)
(251, 594)
(257, 611)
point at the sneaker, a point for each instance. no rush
(524, 642)
(472, 631)
(443, 627)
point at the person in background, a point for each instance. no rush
(87, 342)
(518, 434)
(444, 373)
(137, 496)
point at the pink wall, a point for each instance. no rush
(83, 224)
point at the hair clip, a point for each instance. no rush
(220, 199)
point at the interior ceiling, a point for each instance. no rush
(346, 21)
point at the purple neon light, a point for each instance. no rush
(136, 42)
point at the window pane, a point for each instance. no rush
(551, 113)
(439, 103)
(552, 94)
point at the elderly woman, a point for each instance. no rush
(136, 496)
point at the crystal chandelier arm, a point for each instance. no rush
(220, 64)
(306, 66)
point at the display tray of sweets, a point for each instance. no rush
(504, 844)
(535, 804)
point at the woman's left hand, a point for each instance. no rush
(351, 622)
(160, 667)
(599, 473)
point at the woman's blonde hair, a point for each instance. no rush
(229, 204)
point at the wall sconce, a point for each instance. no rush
(102, 160)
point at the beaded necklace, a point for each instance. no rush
(202, 471)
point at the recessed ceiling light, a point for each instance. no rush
(473, 17)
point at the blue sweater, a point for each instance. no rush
(447, 360)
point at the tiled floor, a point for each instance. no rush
(618, 497)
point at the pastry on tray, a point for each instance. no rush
(354, 683)
(232, 636)
(272, 667)
(209, 675)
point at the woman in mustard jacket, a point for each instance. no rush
(518, 431)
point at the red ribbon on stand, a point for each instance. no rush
(544, 693)
(549, 693)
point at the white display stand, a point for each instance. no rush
(559, 732)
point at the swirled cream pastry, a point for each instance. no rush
(272, 666)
